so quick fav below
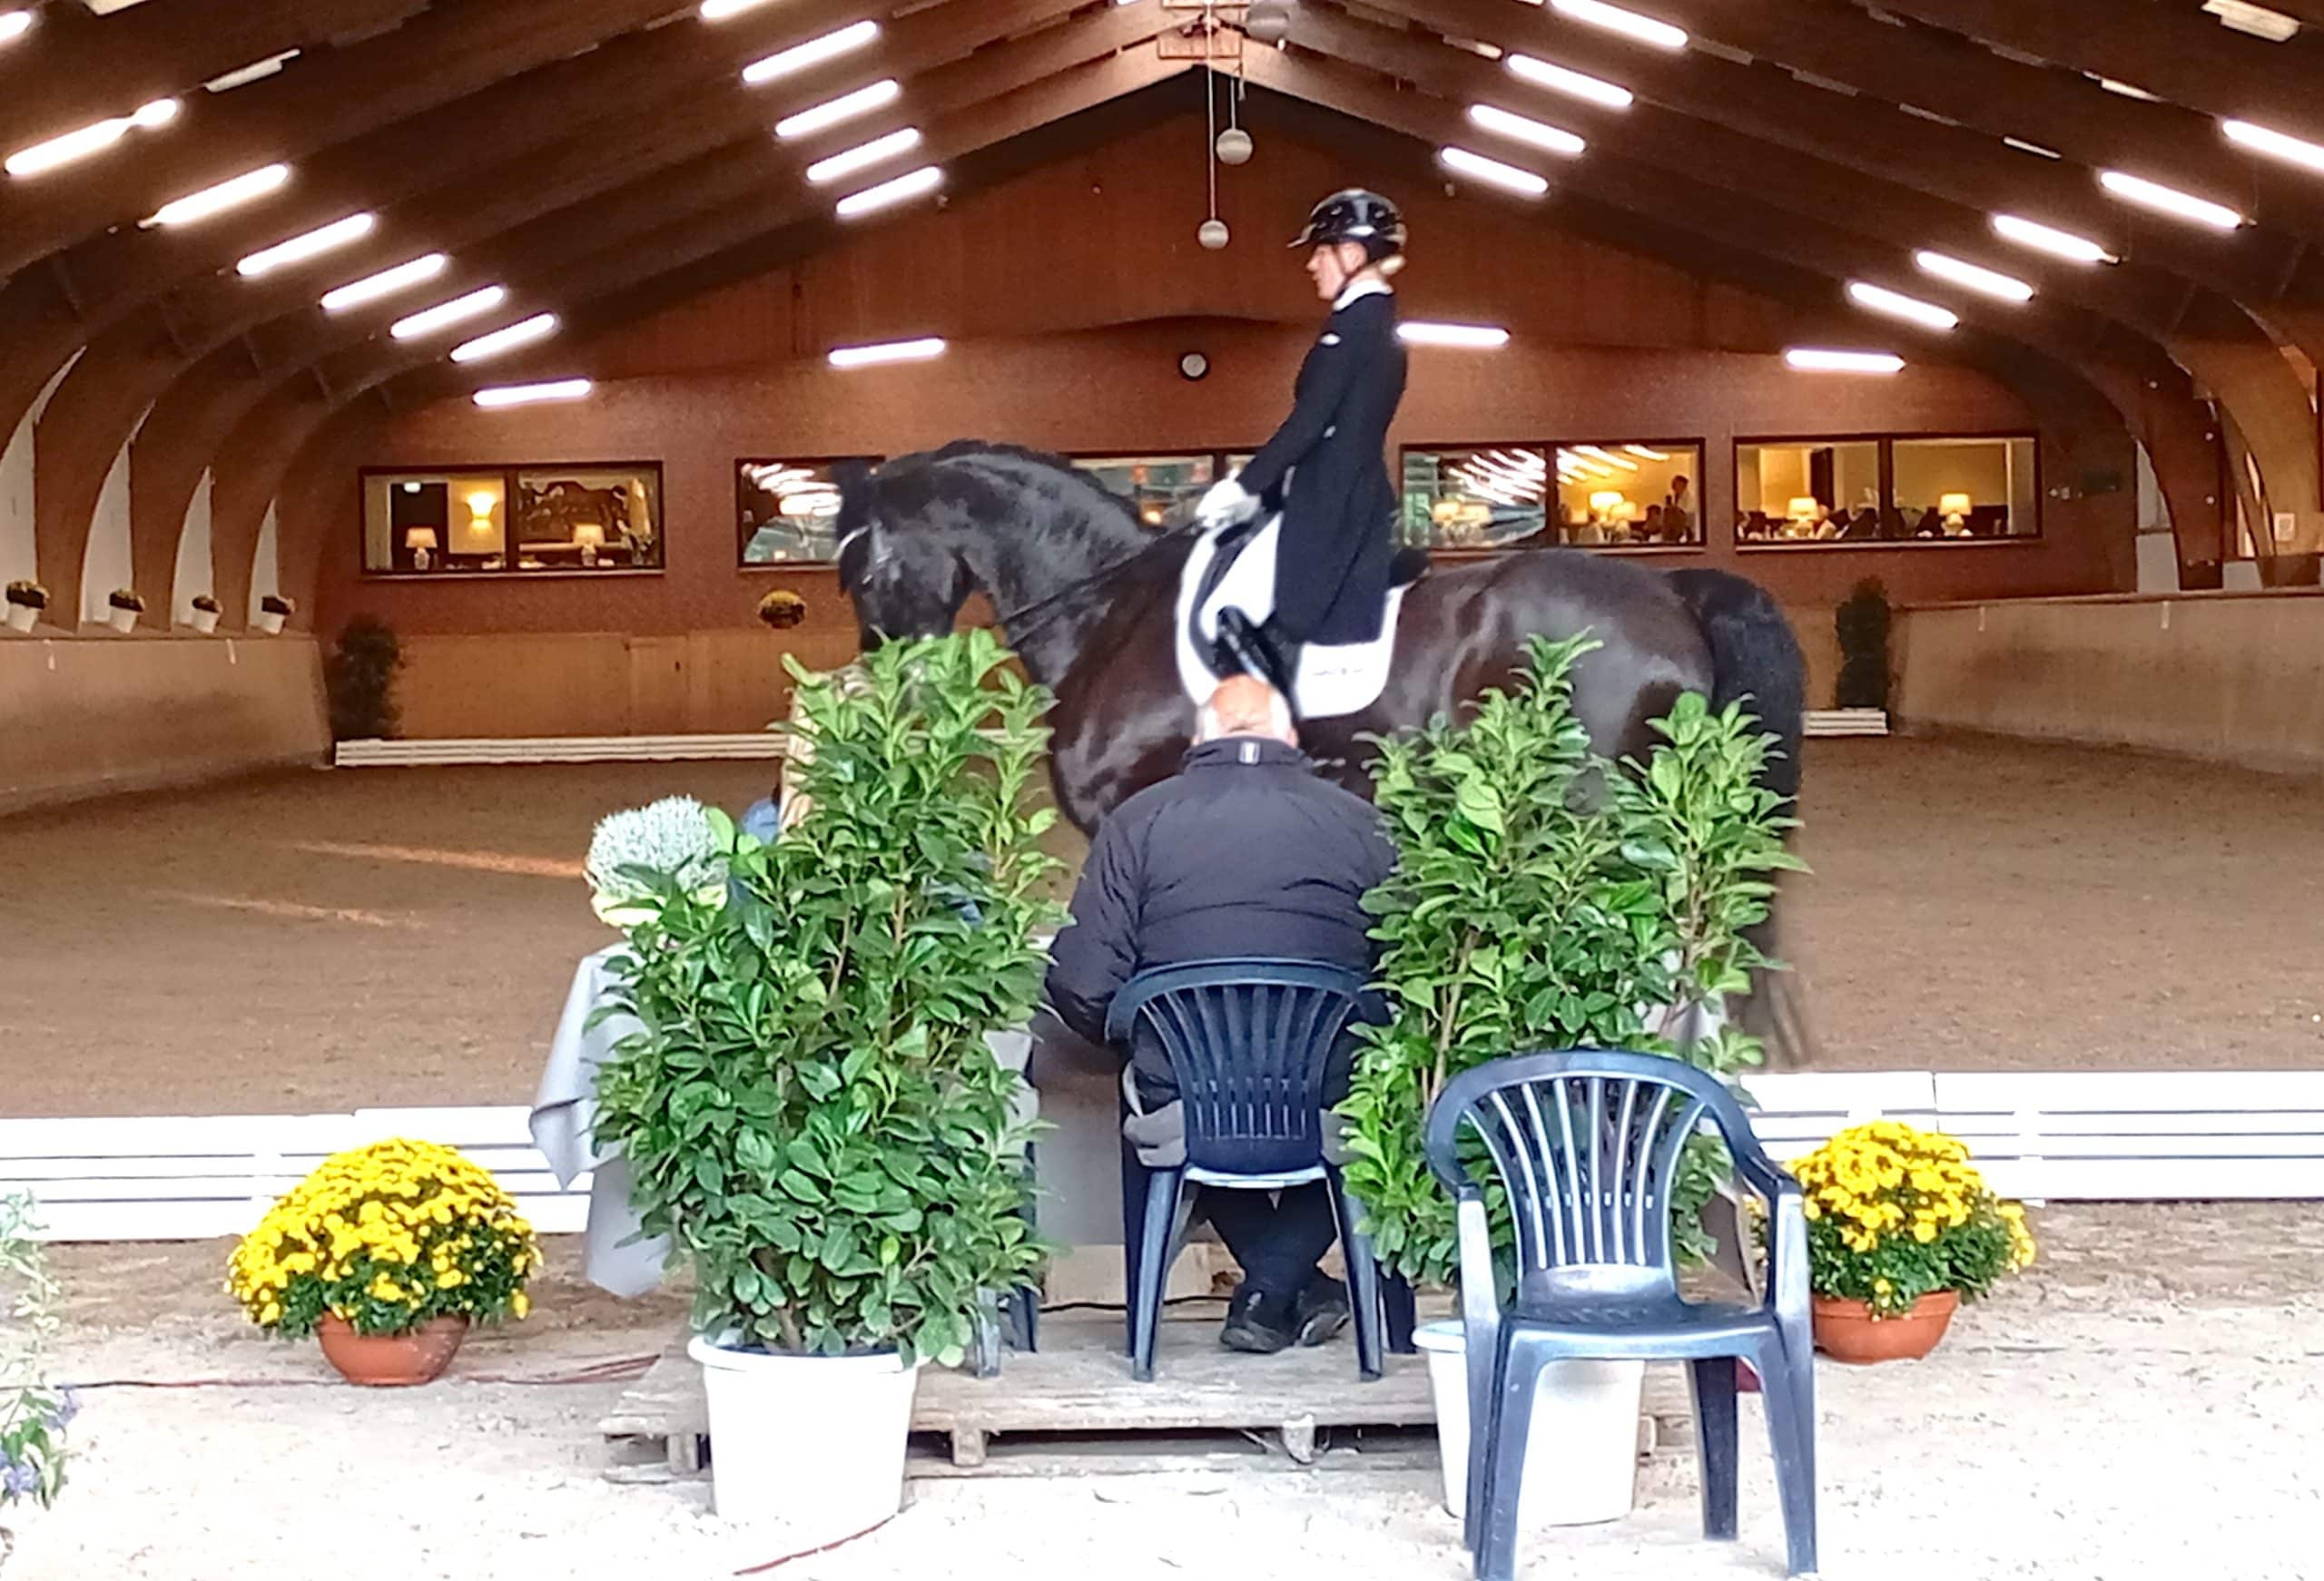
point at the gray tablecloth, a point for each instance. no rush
(617, 1257)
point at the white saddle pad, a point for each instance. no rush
(1333, 680)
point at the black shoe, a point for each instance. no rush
(1258, 1323)
(1321, 1310)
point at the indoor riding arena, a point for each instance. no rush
(429, 428)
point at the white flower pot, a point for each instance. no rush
(812, 1443)
(124, 621)
(22, 617)
(205, 620)
(269, 622)
(1582, 1459)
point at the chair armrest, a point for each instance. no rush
(1788, 1287)
(1757, 1170)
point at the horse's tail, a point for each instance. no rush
(1755, 656)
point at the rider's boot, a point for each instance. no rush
(1248, 650)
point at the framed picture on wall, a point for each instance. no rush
(786, 508)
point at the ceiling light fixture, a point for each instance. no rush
(2125, 90)
(2275, 144)
(2048, 238)
(14, 24)
(2035, 149)
(1572, 83)
(2256, 20)
(863, 156)
(720, 10)
(2171, 200)
(1817, 359)
(428, 321)
(814, 53)
(1896, 305)
(1506, 176)
(1605, 457)
(246, 188)
(524, 332)
(1647, 452)
(313, 244)
(1989, 282)
(524, 395)
(385, 283)
(1644, 30)
(887, 195)
(1475, 337)
(886, 352)
(1533, 133)
(831, 111)
(80, 143)
(257, 71)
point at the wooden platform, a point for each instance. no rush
(1074, 1405)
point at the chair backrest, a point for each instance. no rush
(1587, 1145)
(1250, 1043)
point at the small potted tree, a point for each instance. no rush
(27, 599)
(386, 1253)
(359, 679)
(272, 611)
(1901, 1229)
(1546, 898)
(205, 613)
(811, 1112)
(1862, 622)
(123, 606)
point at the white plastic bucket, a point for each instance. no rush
(1582, 1459)
(124, 621)
(814, 1443)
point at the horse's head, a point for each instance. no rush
(904, 583)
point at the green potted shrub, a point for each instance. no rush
(205, 613)
(811, 1112)
(359, 679)
(122, 606)
(34, 1412)
(1546, 898)
(27, 598)
(1862, 622)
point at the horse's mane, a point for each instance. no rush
(1064, 471)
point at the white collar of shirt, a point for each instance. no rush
(1358, 289)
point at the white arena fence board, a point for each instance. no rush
(2157, 1136)
(758, 744)
(171, 1178)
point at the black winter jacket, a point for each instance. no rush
(1244, 851)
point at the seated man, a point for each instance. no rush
(1246, 851)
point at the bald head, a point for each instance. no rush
(1244, 705)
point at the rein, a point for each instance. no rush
(1010, 620)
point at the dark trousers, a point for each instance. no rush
(1277, 1241)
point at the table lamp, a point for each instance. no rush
(1604, 503)
(1803, 511)
(423, 542)
(1954, 508)
(591, 537)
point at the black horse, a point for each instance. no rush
(1086, 594)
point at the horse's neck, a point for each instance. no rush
(1050, 584)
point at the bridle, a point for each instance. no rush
(1013, 620)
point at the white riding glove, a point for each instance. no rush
(1227, 502)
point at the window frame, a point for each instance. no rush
(1549, 447)
(508, 472)
(741, 543)
(1887, 440)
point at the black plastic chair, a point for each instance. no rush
(1587, 1146)
(1248, 1041)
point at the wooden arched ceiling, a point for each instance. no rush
(595, 155)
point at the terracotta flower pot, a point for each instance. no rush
(1845, 1330)
(387, 1360)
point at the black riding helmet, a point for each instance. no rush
(1355, 215)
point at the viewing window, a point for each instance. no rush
(1162, 487)
(786, 511)
(497, 521)
(1618, 493)
(1917, 489)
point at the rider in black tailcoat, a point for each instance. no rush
(1326, 467)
